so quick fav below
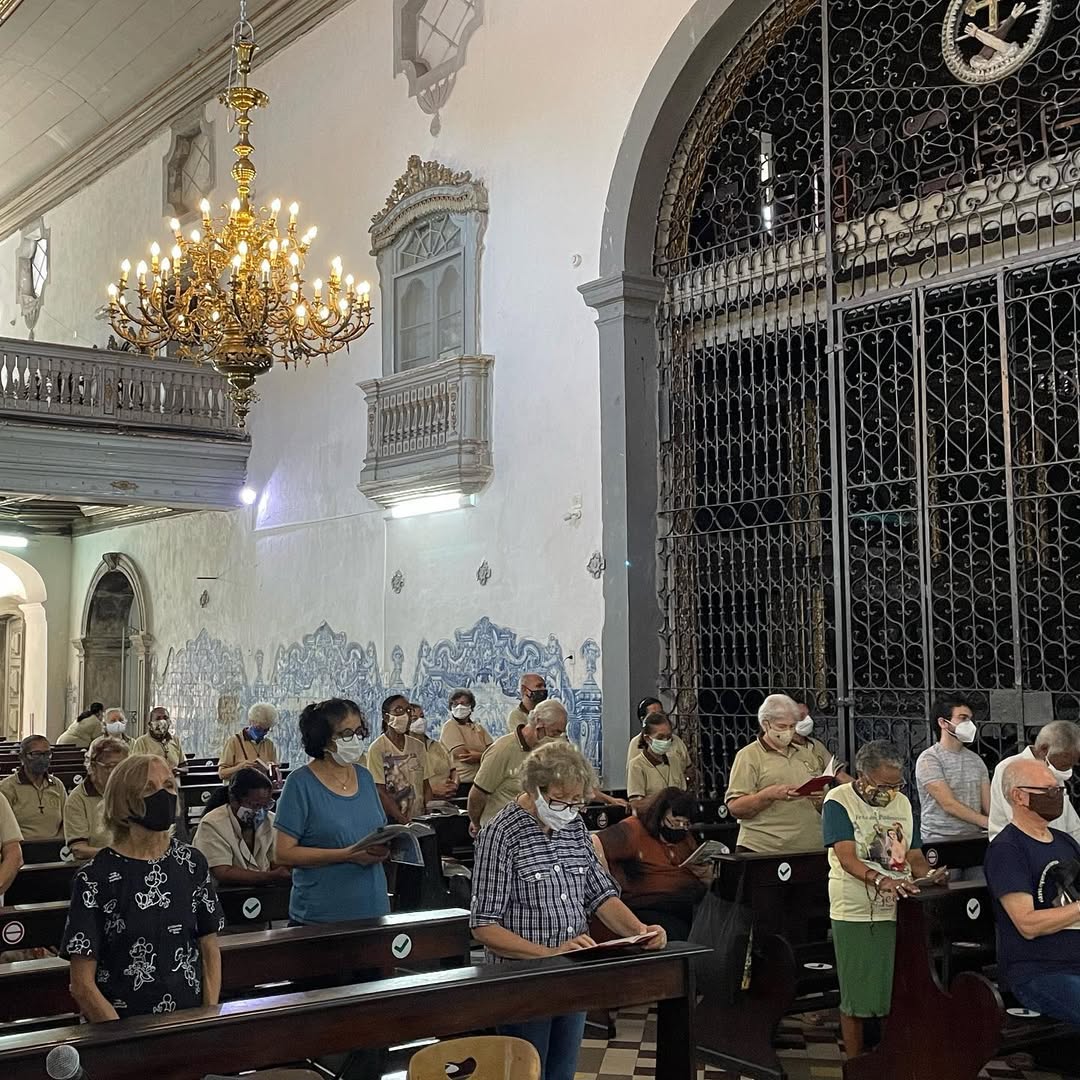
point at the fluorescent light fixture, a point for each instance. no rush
(10, 541)
(432, 504)
(248, 495)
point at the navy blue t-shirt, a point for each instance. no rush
(1018, 863)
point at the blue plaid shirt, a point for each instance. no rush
(542, 886)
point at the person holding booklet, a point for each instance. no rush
(536, 884)
(659, 764)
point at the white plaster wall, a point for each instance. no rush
(538, 113)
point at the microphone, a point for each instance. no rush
(63, 1063)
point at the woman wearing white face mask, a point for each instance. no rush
(657, 766)
(398, 764)
(325, 808)
(441, 773)
(463, 737)
(537, 882)
(116, 725)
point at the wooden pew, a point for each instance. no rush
(956, 854)
(39, 988)
(41, 882)
(268, 1031)
(42, 851)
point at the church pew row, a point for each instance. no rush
(36, 989)
(262, 1032)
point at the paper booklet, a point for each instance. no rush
(824, 781)
(404, 842)
(706, 853)
(439, 807)
(618, 943)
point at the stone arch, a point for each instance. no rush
(25, 654)
(625, 298)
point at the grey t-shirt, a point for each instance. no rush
(965, 773)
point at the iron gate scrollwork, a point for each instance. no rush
(869, 380)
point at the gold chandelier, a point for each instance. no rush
(233, 291)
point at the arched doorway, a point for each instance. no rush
(114, 649)
(865, 276)
(23, 649)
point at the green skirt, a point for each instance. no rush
(865, 953)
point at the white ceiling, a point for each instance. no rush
(69, 68)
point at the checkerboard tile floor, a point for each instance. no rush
(809, 1047)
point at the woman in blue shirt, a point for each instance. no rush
(326, 807)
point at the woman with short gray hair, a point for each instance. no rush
(537, 882)
(252, 746)
(873, 843)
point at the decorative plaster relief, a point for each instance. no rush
(188, 167)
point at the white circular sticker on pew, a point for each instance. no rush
(206, 796)
(974, 909)
(818, 967)
(77, 778)
(401, 946)
(65, 854)
(209, 764)
(251, 907)
(932, 856)
(783, 871)
(1023, 1014)
(721, 810)
(13, 933)
(601, 820)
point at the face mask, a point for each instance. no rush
(873, 795)
(965, 731)
(38, 766)
(782, 738)
(672, 836)
(159, 812)
(805, 728)
(256, 734)
(461, 712)
(661, 746)
(1060, 775)
(159, 731)
(347, 751)
(248, 816)
(554, 819)
(400, 724)
(536, 696)
(418, 726)
(1049, 805)
(117, 727)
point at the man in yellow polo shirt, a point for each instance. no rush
(36, 796)
(773, 819)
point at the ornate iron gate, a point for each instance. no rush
(870, 384)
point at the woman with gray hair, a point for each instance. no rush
(874, 855)
(84, 812)
(252, 746)
(536, 883)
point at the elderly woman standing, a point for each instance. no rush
(537, 882)
(252, 746)
(143, 921)
(874, 853)
(84, 812)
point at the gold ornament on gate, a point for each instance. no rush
(233, 292)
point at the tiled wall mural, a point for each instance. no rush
(207, 687)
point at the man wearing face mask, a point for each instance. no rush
(773, 817)
(116, 726)
(1057, 746)
(532, 691)
(1037, 920)
(497, 782)
(463, 737)
(36, 796)
(953, 781)
(252, 746)
(160, 741)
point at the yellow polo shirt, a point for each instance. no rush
(9, 826)
(643, 778)
(678, 750)
(84, 817)
(498, 773)
(240, 750)
(439, 765)
(515, 718)
(82, 732)
(788, 825)
(471, 736)
(171, 751)
(39, 811)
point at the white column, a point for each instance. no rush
(35, 715)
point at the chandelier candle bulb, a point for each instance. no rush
(265, 268)
(174, 224)
(125, 269)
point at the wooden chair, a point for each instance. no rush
(481, 1057)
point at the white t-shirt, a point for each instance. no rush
(1001, 813)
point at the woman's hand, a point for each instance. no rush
(780, 792)
(582, 941)
(656, 943)
(896, 887)
(369, 856)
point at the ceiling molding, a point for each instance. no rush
(281, 23)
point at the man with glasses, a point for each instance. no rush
(1031, 869)
(532, 691)
(36, 796)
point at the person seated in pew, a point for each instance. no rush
(84, 812)
(85, 728)
(953, 782)
(1037, 920)
(463, 737)
(11, 855)
(441, 774)
(874, 856)
(1057, 746)
(143, 921)
(659, 764)
(398, 764)
(160, 740)
(537, 882)
(325, 808)
(36, 796)
(765, 775)
(236, 831)
(116, 725)
(645, 855)
(252, 746)
(646, 708)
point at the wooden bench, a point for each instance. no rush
(41, 882)
(39, 988)
(42, 851)
(270, 1031)
(956, 854)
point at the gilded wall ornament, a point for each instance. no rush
(483, 573)
(597, 565)
(397, 582)
(982, 46)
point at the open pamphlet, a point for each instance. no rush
(824, 781)
(608, 946)
(706, 853)
(441, 808)
(403, 840)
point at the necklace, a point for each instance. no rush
(342, 782)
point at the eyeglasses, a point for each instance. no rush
(559, 804)
(40, 755)
(1044, 790)
(346, 733)
(890, 787)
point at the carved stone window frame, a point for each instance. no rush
(427, 190)
(31, 299)
(189, 127)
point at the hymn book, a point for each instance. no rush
(705, 853)
(823, 782)
(403, 841)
